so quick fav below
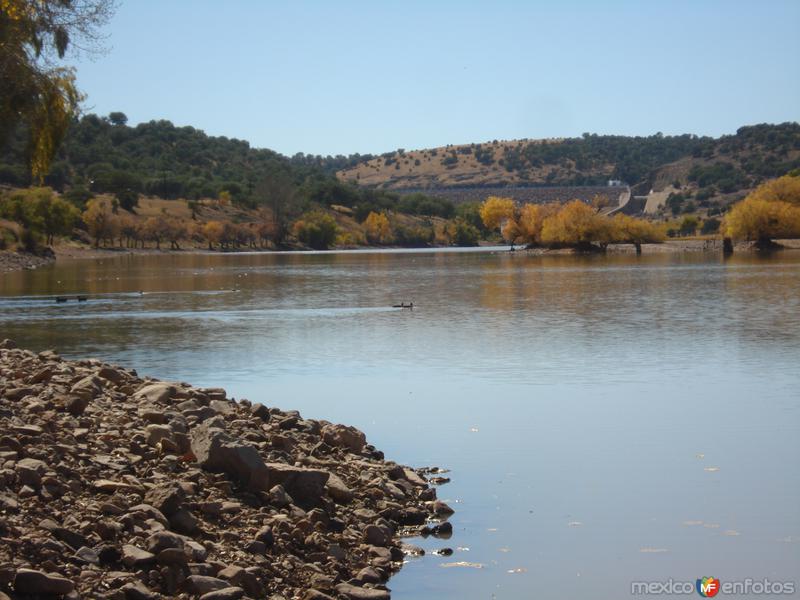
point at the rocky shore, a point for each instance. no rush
(123, 487)
(19, 261)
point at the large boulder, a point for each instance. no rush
(344, 436)
(28, 581)
(305, 486)
(158, 392)
(219, 452)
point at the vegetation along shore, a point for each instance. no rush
(118, 486)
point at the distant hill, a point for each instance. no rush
(720, 166)
(160, 159)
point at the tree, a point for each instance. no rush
(316, 229)
(213, 232)
(466, 234)
(531, 219)
(118, 118)
(278, 192)
(629, 230)
(36, 92)
(758, 220)
(782, 189)
(377, 228)
(577, 224)
(156, 229)
(128, 200)
(496, 211)
(100, 220)
(689, 225)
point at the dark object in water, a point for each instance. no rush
(83, 298)
(410, 305)
(60, 299)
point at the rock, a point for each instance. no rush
(343, 436)
(338, 490)
(279, 497)
(172, 556)
(305, 486)
(18, 393)
(439, 508)
(159, 392)
(316, 595)
(161, 540)
(203, 584)
(184, 522)
(76, 405)
(87, 555)
(228, 593)
(30, 471)
(217, 451)
(377, 536)
(166, 497)
(136, 557)
(138, 591)
(222, 407)
(357, 593)
(88, 388)
(155, 433)
(8, 344)
(442, 530)
(111, 374)
(28, 581)
(265, 536)
(368, 575)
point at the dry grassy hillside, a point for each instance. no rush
(463, 165)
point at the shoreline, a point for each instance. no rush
(126, 487)
(20, 261)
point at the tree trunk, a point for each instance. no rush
(727, 246)
(638, 248)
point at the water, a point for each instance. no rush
(606, 419)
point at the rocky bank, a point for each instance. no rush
(19, 261)
(122, 487)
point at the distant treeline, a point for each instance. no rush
(762, 151)
(103, 155)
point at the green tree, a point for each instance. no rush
(316, 229)
(34, 34)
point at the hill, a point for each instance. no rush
(718, 166)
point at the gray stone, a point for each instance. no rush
(228, 593)
(166, 497)
(357, 593)
(28, 581)
(156, 392)
(203, 584)
(136, 557)
(161, 540)
(344, 436)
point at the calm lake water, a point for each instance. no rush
(606, 419)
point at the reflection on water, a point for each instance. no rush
(606, 419)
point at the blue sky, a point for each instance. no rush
(326, 77)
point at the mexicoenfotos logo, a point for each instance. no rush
(707, 587)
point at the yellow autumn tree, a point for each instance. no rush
(101, 222)
(630, 230)
(495, 211)
(377, 228)
(769, 212)
(782, 189)
(213, 231)
(757, 220)
(577, 224)
(531, 219)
